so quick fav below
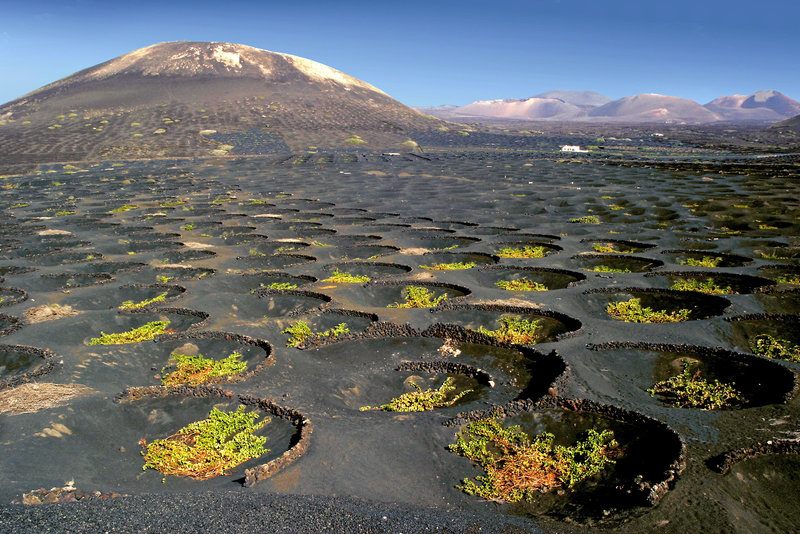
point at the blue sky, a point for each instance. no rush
(438, 52)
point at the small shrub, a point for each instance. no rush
(522, 284)
(346, 278)
(706, 261)
(187, 227)
(518, 468)
(301, 330)
(418, 297)
(612, 248)
(209, 447)
(586, 219)
(515, 330)
(282, 285)
(420, 401)
(632, 312)
(130, 305)
(770, 347)
(522, 252)
(688, 390)
(143, 333)
(123, 208)
(793, 279)
(195, 370)
(456, 266)
(707, 286)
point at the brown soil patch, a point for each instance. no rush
(48, 312)
(197, 246)
(54, 232)
(30, 398)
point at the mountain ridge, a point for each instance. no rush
(192, 98)
(760, 107)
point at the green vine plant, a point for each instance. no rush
(526, 251)
(705, 286)
(518, 468)
(300, 330)
(346, 278)
(123, 208)
(455, 266)
(209, 447)
(515, 330)
(194, 370)
(420, 401)
(522, 284)
(632, 311)
(418, 297)
(792, 279)
(586, 219)
(282, 285)
(689, 390)
(780, 349)
(145, 332)
(706, 261)
(131, 305)
(612, 248)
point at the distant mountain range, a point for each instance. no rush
(588, 106)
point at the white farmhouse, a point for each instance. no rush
(572, 148)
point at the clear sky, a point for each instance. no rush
(438, 52)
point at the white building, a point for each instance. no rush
(572, 148)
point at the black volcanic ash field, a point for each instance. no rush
(214, 235)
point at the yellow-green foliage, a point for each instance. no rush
(586, 219)
(194, 370)
(770, 347)
(706, 261)
(130, 305)
(207, 448)
(515, 330)
(346, 278)
(124, 207)
(456, 266)
(518, 468)
(633, 312)
(301, 330)
(522, 252)
(708, 286)
(420, 401)
(418, 297)
(688, 390)
(523, 284)
(612, 248)
(793, 279)
(282, 285)
(143, 333)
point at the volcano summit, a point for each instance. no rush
(200, 99)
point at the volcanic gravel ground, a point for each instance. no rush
(214, 236)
